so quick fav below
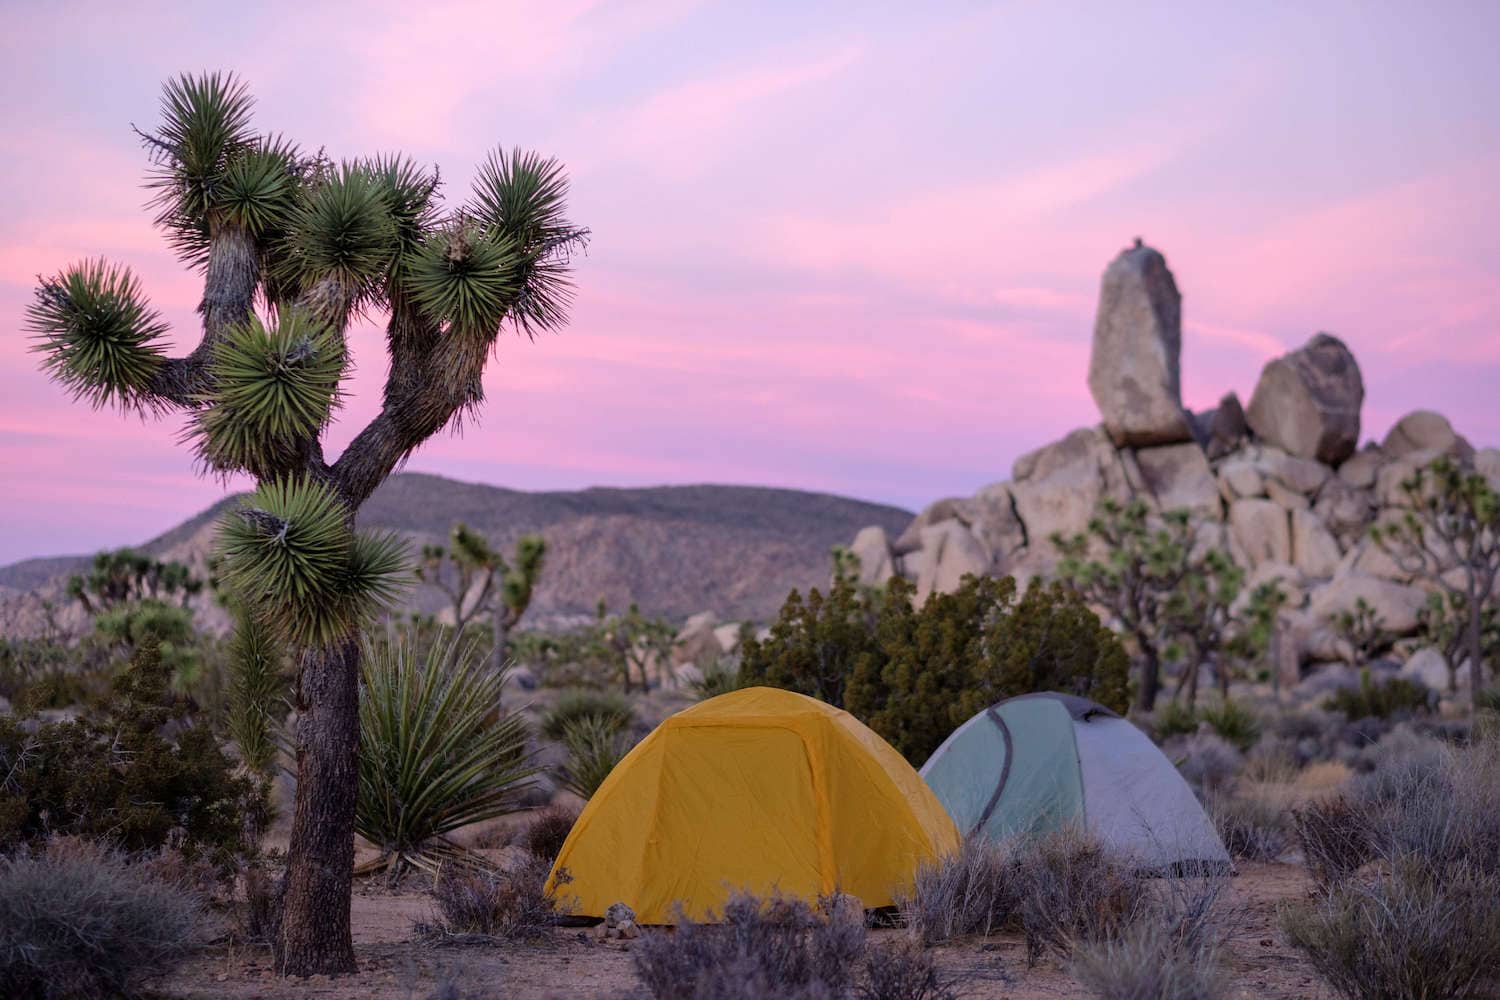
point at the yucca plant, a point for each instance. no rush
(291, 246)
(594, 747)
(437, 752)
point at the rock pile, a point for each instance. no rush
(1281, 484)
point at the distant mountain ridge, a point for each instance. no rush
(674, 550)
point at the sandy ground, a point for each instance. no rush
(395, 965)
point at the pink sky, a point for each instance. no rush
(852, 249)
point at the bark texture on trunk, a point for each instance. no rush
(1150, 678)
(315, 934)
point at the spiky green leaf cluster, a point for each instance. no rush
(260, 188)
(523, 196)
(407, 192)
(100, 338)
(436, 751)
(291, 556)
(343, 232)
(256, 690)
(465, 276)
(273, 390)
(205, 126)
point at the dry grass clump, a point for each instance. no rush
(1148, 962)
(544, 835)
(1424, 921)
(1335, 836)
(1252, 826)
(1206, 760)
(1411, 934)
(1070, 889)
(512, 905)
(79, 921)
(757, 948)
(973, 891)
(903, 970)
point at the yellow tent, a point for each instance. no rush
(757, 789)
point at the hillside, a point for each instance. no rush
(675, 550)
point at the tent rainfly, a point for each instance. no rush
(761, 790)
(1037, 762)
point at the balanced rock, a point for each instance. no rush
(1134, 371)
(1307, 402)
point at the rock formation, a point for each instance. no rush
(1278, 484)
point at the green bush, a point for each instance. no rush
(1380, 700)
(78, 921)
(1235, 723)
(594, 748)
(915, 674)
(437, 752)
(1175, 718)
(611, 709)
(137, 775)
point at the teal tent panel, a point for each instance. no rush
(964, 771)
(1044, 789)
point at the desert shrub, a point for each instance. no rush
(139, 774)
(1443, 816)
(757, 948)
(1311, 733)
(1147, 961)
(718, 680)
(1072, 890)
(1175, 718)
(1336, 836)
(913, 674)
(511, 905)
(1410, 934)
(1205, 760)
(971, 891)
(545, 834)
(437, 752)
(902, 970)
(1235, 724)
(1488, 700)
(1250, 826)
(610, 708)
(594, 749)
(78, 921)
(260, 912)
(1394, 696)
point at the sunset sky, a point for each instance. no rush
(853, 248)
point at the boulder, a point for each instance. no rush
(1307, 402)
(1360, 468)
(1314, 550)
(1396, 604)
(952, 552)
(1134, 370)
(1226, 431)
(1314, 638)
(991, 515)
(1300, 475)
(1239, 477)
(1258, 529)
(696, 642)
(939, 510)
(1344, 509)
(1390, 481)
(1056, 488)
(1286, 576)
(1178, 476)
(1423, 430)
(1487, 464)
(1284, 497)
(876, 562)
(728, 635)
(1429, 666)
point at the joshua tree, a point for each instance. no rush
(312, 243)
(125, 575)
(1449, 537)
(468, 571)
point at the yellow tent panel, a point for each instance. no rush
(758, 789)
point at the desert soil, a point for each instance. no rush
(396, 965)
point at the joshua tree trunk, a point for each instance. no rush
(315, 934)
(1150, 677)
(501, 619)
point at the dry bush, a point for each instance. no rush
(261, 914)
(758, 948)
(79, 921)
(545, 834)
(1251, 826)
(511, 905)
(903, 970)
(973, 891)
(1206, 760)
(1336, 836)
(1146, 962)
(1070, 889)
(1412, 934)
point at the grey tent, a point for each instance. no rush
(1041, 761)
